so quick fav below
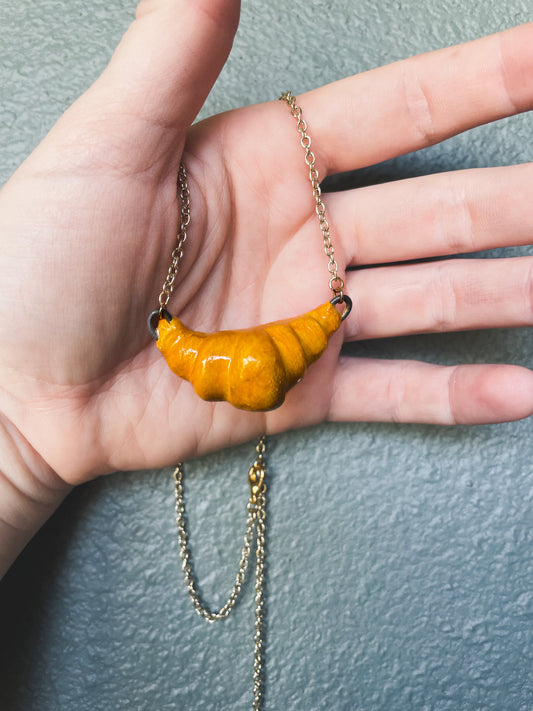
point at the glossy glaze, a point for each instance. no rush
(251, 368)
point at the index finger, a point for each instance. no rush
(414, 103)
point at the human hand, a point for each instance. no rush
(89, 221)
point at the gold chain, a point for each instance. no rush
(256, 519)
(177, 252)
(336, 284)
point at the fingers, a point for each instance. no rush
(449, 295)
(408, 391)
(447, 213)
(420, 101)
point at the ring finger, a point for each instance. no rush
(448, 295)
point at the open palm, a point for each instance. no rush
(89, 221)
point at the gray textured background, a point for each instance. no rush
(400, 570)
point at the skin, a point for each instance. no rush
(88, 222)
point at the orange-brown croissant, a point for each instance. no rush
(251, 368)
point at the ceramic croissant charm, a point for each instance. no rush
(250, 368)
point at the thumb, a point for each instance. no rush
(168, 60)
(153, 87)
(135, 116)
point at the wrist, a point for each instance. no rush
(30, 491)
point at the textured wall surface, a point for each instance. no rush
(400, 571)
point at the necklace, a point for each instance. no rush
(252, 369)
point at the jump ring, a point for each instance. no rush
(344, 299)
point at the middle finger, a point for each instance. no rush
(434, 215)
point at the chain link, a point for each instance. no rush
(177, 252)
(256, 519)
(336, 283)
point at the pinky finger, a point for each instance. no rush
(376, 390)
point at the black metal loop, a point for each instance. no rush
(344, 299)
(153, 321)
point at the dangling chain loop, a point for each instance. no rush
(256, 519)
(336, 283)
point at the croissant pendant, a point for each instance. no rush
(252, 368)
